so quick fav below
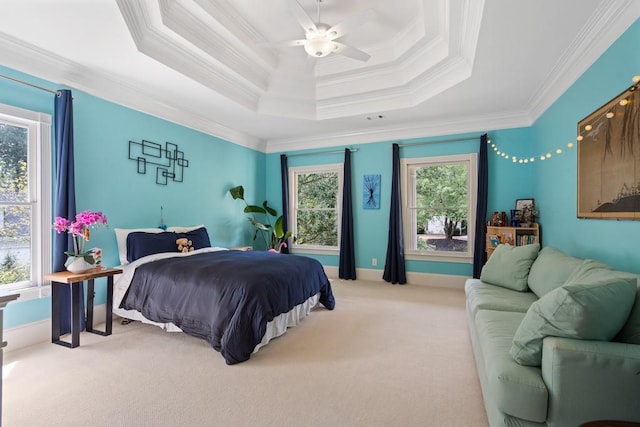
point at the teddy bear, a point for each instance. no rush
(184, 245)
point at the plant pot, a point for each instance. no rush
(77, 264)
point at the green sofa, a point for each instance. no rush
(573, 325)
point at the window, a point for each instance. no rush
(25, 207)
(439, 199)
(315, 198)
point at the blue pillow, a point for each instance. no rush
(140, 244)
(199, 238)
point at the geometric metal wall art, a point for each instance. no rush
(168, 161)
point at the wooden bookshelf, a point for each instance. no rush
(515, 236)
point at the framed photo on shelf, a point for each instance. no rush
(521, 204)
(526, 210)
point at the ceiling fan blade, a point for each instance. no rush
(303, 18)
(351, 52)
(350, 23)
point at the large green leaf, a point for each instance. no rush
(278, 228)
(269, 209)
(259, 225)
(237, 192)
(254, 209)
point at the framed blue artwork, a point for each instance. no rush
(371, 192)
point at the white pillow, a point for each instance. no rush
(184, 229)
(121, 238)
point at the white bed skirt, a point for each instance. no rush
(275, 328)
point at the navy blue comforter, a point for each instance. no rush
(226, 297)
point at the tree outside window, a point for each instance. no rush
(315, 204)
(439, 194)
(15, 226)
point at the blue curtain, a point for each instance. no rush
(284, 176)
(347, 268)
(481, 208)
(394, 268)
(65, 198)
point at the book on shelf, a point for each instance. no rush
(526, 239)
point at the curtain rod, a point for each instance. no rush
(29, 84)
(321, 152)
(440, 141)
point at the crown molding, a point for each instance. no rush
(232, 21)
(181, 57)
(437, 127)
(40, 63)
(213, 42)
(607, 23)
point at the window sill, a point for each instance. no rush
(315, 250)
(27, 294)
(440, 257)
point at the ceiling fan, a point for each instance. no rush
(320, 38)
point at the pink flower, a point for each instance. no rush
(76, 228)
(61, 224)
(79, 228)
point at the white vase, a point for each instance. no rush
(77, 264)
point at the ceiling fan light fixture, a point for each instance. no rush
(319, 47)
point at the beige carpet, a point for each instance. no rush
(386, 356)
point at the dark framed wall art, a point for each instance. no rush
(609, 159)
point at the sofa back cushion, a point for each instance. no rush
(509, 266)
(630, 332)
(550, 270)
(593, 304)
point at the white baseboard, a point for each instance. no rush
(38, 332)
(424, 279)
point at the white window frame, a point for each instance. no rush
(39, 158)
(409, 214)
(293, 205)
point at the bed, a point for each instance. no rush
(235, 300)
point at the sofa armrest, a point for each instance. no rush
(591, 380)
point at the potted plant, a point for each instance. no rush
(274, 235)
(80, 258)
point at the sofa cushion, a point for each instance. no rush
(550, 270)
(593, 304)
(484, 296)
(509, 266)
(516, 390)
(630, 332)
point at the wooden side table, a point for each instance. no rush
(65, 278)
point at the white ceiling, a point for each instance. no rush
(437, 66)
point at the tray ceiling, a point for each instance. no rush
(222, 67)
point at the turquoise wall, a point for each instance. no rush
(507, 182)
(107, 180)
(613, 242)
